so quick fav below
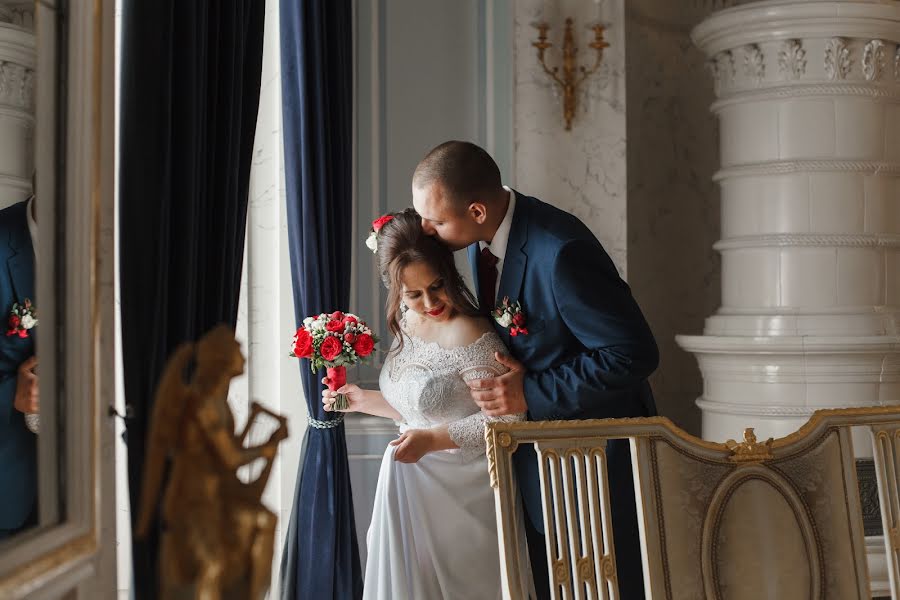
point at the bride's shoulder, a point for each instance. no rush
(466, 330)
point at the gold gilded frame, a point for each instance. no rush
(587, 439)
(73, 555)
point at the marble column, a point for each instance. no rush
(17, 62)
(808, 100)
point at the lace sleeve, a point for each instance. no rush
(468, 433)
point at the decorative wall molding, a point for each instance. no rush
(889, 95)
(791, 56)
(807, 239)
(837, 58)
(873, 60)
(754, 63)
(781, 167)
(16, 85)
(20, 14)
(744, 410)
(792, 59)
(897, 64)
(756, 22)
(723, 71)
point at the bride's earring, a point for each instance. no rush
(403, 308)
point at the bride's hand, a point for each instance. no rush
(412, 445)
(354, 395)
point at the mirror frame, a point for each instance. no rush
(58, 558)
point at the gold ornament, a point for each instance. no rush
(218, 537)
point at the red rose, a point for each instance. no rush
(337, 316)
(23, 333)
(349, 320)
(364, 345)
(518, 320)
(331, 347)
(334, 325)
(378, 223)
(514, 331)
(13, 321)
(349, 337)
(303, 345)
(11, 332)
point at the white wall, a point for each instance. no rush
(266, 310)
(673, 204)
(583, 170)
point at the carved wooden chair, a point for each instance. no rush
(756, 519)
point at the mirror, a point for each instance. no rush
(57, 121)
(27, 434)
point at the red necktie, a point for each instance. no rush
(487, 280)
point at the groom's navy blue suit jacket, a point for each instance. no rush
(589, 349)
(18, 453)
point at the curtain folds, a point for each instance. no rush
(190, 82)
(321, 557)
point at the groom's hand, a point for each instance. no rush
(503, 395)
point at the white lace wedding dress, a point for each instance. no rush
(433, 534)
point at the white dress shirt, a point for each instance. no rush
(501, 239)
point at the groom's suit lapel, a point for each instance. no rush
(515, 260)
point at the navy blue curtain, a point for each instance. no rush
(321, 557)
(190, 93)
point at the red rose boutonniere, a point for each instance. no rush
(22, 317)
(511, 316)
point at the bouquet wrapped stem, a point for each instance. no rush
(335, 380)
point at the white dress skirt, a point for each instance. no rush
(434, 530)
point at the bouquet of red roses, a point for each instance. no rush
(334, 341)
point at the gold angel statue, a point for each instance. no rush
(218, 537)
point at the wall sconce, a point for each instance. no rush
(571, 77)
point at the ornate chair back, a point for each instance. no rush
(751, 519)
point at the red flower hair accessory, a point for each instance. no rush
(377, 224)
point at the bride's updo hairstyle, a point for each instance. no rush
(402, 242)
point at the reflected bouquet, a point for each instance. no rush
(334, 342)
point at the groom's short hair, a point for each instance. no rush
(466, 171)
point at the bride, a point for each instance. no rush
(433, 533)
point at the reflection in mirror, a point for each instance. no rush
(19, 409)
(23, 435)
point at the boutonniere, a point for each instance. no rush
(511, 316)
(22, 317)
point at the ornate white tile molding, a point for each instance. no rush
(837, 59)
(873, 60)
(810, 154)
(18, 13)
(754, 63)
(779, 167)
(792, 59)
(17, 63)
(897, 65)
(16, 85)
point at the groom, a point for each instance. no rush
(588, 350)
(18, 380)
